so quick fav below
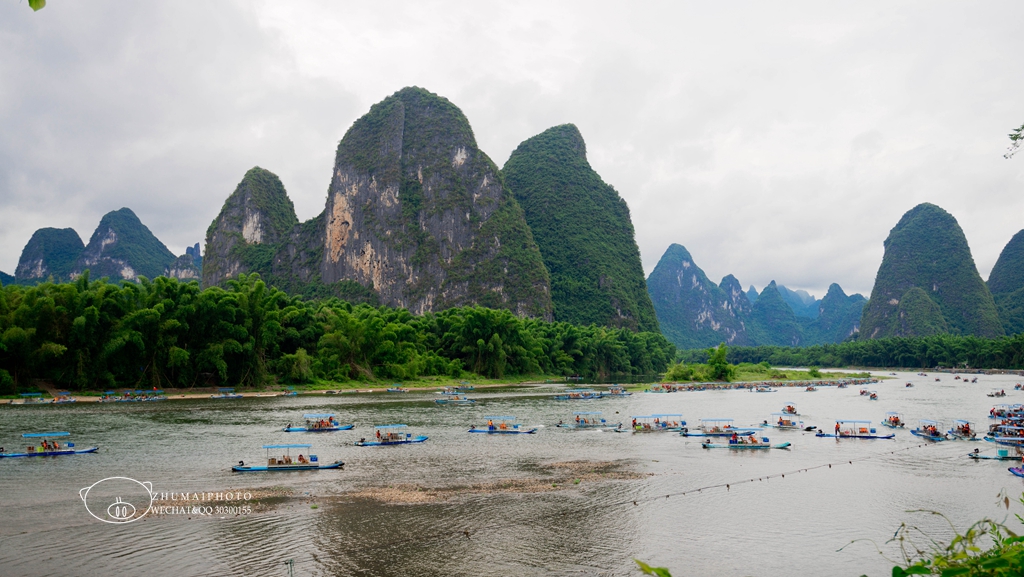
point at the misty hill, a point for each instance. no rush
(1006, 284)
(694, 312)
(6, 279)
(583, 230)
(51, 252)
(802, 303)
(927, 250)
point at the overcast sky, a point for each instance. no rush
(774, 140)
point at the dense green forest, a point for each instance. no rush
(90, 335)
(895, 352)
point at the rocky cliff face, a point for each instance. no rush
(1007, 285)
(418, 214)
(184, 268)
(694, 312)
(927, 250)
(583, 230)
(253, 221)
(122, 247)
(50, 252)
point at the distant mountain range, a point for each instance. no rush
(121, 247)
(695, 312)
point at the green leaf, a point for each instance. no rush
(36, 5)
(656, 571)
(917, 569)
(950, 572)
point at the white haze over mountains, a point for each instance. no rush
(773, 140)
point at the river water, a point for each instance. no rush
(343, 522)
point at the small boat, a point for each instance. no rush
(929, 429)
(963, 430)
(717, 428)
(464, 387)
(578, 395)
(291, 392)
(453, 399)
(974, 380)
(397, 388)
(48, 448)
(390, 435)
(655, 423)
(1001, 455)
(615, 391)
(748, 442)
(789, 408)
(319, 423)
(32, 399)
(588, 420)
(784, 421)
(108, 397)
(811, 389)
(1018, 471)
(873, 396)
(762, 389)
(1011, 435)
(937, 379)
(226, 393)
(908, 385)
(1004, 411)
(155, 395)
(285, 462)
(502, 425)
(894, 420)
(998, 393)
(64, 397)
(854, 429)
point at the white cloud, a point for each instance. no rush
(774, 141)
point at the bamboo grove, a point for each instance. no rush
(950, 351)
(92, 335)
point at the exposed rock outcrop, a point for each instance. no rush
(927, 250)
(51, 252)
(583, 230)
(418, 214)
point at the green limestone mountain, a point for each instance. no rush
(253, 221)
(1006, 283)
(50, 252)
(416, 217)
(122, 247)
(927, 250)
(772, 320)
(6, 279)
(693, 311)
(583, 230)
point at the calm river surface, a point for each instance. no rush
(792, 526)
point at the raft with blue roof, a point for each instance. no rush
(47, 447)
(504, 426)
(319, 423)
(390, 435)
(286, 463)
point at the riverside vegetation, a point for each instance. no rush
(91, 335)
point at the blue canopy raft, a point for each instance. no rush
(397, 388)
(893, 420)
(454, 399)
(615, 391)
(784, 421)
(854, 429)
(929, 429)
(285, 462)
(390, 435)
(64, 397)
(588, 420)
(746, 442)
(504, 426)
(319, 423)
(1001, 455)
(717, 428)
(47, 447)
(578, 395)
(963, 430)
(226, 393)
